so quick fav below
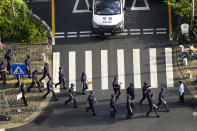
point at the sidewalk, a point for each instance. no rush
(34, 99)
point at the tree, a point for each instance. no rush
(193, 9)
(13, 11)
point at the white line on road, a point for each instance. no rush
(56, 65)
(148, 29)
(59, 36)
(84, 32)
(136, 33)
(121, 34)
(87, 35)
(125, 30)
(71, 33)
(169, 67)
(161, 32)
(153, 67)
(81, 11)
(71, 36)
(104, 69)
(194, 113)
(88, 67)
(59, 33)
(72, 68)
(136, 68)
(2, 129)
(95, 35)
(121, 67)
(140, 8)
(148, 33)
(161, 29)
(134, 29)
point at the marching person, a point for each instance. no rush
(162, 99)
(181, 92)
(113, 106)
(131, 92)
(50, 89)
(72, 96)
(3, 71)
(28, 66)
(46, 72)
(34, 81)
(145, 92)
(116, 87)
(61, 78)
(129, 107)
(90, 102)
(84, 82)
(152, 106)
(8, 57)
(23, 94)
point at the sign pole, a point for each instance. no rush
(53, 21)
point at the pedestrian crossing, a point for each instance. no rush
(105, 65)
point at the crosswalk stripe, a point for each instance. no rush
(136, 68)
(72, 68)
(88, 67)
(169, 67)
(121, 67)
(153, 67)
(104, 69)
(56, 65)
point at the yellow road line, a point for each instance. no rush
(53, 19)
(170, 20)
(15, 81)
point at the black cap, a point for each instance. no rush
(46, 64)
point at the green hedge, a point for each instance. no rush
(21, 28)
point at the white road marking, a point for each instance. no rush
(161, 29)
(161, 32)
(56, 65)
(59, 36)
(136, 68)
(169, 67)
(2, 129)
(147, 29)
(88, 67)
(125, 30)
(104, 69)
(153, 67)
(194, 113)
(123, 34)
(148, 33)
(121, 67)
(87, 35)
(59, 33)
(95, 34)
(81, 11)
(71, 36)
(71, 33)
(84, 32)
(72, 68)
(136, 33)
(134, 29)
(140, 8)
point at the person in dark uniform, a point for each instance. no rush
(129, 107)
(113, 106)
(50, 89)
(18, 81)
(46, 72)
(162, 99)
(34, 81)
(145, 92)
(72, 96)
(84, 82)
(28, 66)
(131, 92)
(8, 57)
(61, 78)
(116, 87)
(3, 71)
(152, 106)
(23, 94)
(90, 102)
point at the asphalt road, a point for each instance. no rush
(59, 117)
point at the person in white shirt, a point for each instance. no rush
(181, 92)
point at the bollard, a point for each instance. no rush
(189, 75)
(181, 49)
(185, 62)
(43, 57)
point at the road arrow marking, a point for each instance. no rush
(81, 11)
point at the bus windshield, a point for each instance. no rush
(107, 7)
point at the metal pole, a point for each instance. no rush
(19, 81)
(53, 21)
(170, 20)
